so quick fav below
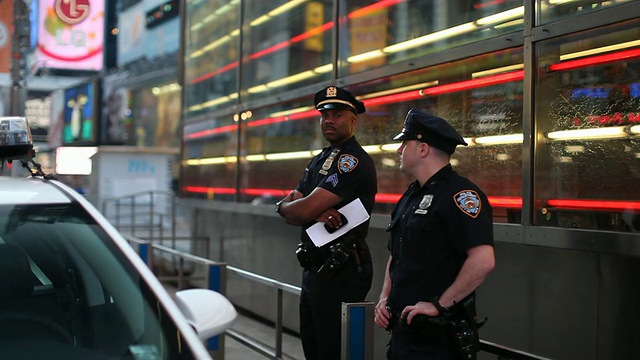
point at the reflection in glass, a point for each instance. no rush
(482, 100)
(381, 33)
(554, 10)
(588, 151)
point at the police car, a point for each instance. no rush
(71, 287)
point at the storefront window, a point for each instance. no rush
(286, 45)
(554, 10)
(481, 97)
(588, 122)
(379, 33)
(211, 55)
(156, 116)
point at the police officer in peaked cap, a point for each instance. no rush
(340, 271)
(441, 247)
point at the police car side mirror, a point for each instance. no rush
(207, 311)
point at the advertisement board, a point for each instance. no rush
(6, 24)
(141, 41)
(79, 115)
(70, 34)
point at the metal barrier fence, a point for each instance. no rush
(357, 318)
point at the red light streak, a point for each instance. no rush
(211, 132)
(268, 192)
(387, 198)
(372, 8)
(209, 190)
(313, 32)
(382, 100)
(233, 65)
(267, 51)
(448, 88)
(511, 202)
(577, 204)
(474, 83)
(278, 119)
(596, 60)
(488, 4)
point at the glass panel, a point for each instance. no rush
(280, 140)
(156, 115)
(286, 45)
(378, 33)
(588, 117)
(481, 97)
(211, 55)
(209, 158)
(553, 10)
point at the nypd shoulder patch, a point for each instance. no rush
(469, 202)
(347, 163)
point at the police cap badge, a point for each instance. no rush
(333, 98)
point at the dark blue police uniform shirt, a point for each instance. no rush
(352, 175)
(431, 229)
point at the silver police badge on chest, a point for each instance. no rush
(424, 204)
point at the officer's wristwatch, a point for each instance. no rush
(278, 206)
(441, 309)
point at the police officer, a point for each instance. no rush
(441, 240)
(341, 270)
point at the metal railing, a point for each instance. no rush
(364, 324)
(146, 248)
(357, 329)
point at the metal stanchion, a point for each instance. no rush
(217, 281)
(145, 253)
(357, 331)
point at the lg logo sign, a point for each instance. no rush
(72, 11)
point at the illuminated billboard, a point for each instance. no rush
(70, 35)
(79, 115)
(6, 24)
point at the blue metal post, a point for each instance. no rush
(357, 331)
(217, 281)
(143, 249)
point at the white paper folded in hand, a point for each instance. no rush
(355, 213)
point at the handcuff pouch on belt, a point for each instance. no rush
(455, 328)
(308, 255)
(336, 254)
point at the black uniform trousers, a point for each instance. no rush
(404, 346)
(321, 307)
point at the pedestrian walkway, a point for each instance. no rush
(265, 334)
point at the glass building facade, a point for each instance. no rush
(546, 93)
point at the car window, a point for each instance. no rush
(67, 292)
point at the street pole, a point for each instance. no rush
(19, 46)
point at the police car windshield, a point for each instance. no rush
(66, 289)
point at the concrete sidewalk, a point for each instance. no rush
(234, 350)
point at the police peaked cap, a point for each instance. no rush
(334, 98)
(430, 129)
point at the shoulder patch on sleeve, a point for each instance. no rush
(347, 163)
(469, 202)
